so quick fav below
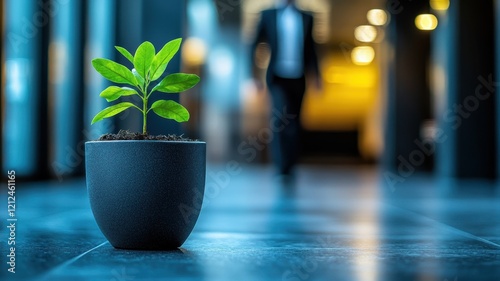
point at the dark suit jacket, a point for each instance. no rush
(267, 31)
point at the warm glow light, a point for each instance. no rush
(440, 5)
(426, 22)
(352, 79)
(194, 51)
(365, 33)
(377, 17)
(363, 55)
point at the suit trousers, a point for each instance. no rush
(286, 98)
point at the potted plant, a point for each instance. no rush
(139, 185)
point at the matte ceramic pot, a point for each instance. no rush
(146, 195)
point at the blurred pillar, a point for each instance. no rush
(230, 19)
(2, 89)
(157, 22)
(467, 146)
(24, 21)
(408, 100)
(100, 41)
(497, 70)
(223, 77)
(66, 84)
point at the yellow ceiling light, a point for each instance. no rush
(365, 33)
(362, 55)
(440, 5)
(426, 22)
(377, 17)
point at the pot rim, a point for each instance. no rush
(146, 141)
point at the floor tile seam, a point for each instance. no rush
(448, 227)
(47, 276)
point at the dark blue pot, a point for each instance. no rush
(146, 195)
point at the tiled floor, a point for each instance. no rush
(335, 223)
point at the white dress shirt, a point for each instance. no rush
(289, 61)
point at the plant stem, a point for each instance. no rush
(145, 109)
(144, 115)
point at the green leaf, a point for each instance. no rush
(171, 110)
(176, 83)
(163, 57)
(114, 72)
(159, 72)
(113, 93)
(138, 78)
(125, 53)
(143, 58)
(112, 111)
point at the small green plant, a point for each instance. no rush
(149, 66)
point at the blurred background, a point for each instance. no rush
(407, 85)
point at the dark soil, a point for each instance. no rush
(127, 135)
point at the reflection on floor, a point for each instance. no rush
(335, 223)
